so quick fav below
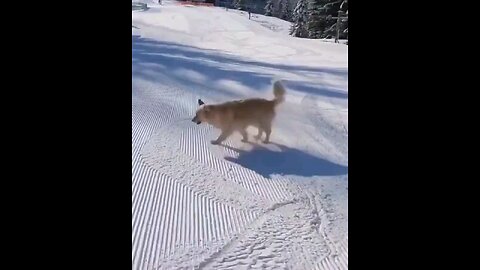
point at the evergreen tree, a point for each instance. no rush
(285, 13)
(300, 17)
(344, 8)
(317, 18)
(331, 10)
(240, 4)
(269, 8)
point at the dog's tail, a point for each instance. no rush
(278, 92)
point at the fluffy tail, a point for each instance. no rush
(278, 92)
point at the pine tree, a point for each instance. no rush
(331, 10)
(317, 18)
(285, 13)
(344, 8)
(240, 4)
(300, 17)
(321, 24)
(269, 8)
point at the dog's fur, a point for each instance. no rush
(238, 115)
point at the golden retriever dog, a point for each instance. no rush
(238, 115)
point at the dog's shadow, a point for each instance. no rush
(287, 161)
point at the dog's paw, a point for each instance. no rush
(215, 142)
(245, 141)
(265, 142)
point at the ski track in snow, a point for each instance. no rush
(193, 209)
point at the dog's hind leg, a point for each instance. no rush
(223, 136)
(259, 135)
(244, 135)
(268, 130)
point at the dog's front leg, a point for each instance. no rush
(223, 136)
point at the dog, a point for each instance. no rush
(238, 115)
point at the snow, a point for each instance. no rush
(241, 205)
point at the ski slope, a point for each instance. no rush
(239, 205)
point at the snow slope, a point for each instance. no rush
(240, 205)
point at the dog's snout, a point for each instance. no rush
(195, 120)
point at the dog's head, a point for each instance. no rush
(202, 113)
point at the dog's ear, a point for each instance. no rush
(200, 102)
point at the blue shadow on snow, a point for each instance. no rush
(288, 161)
(214, 65)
